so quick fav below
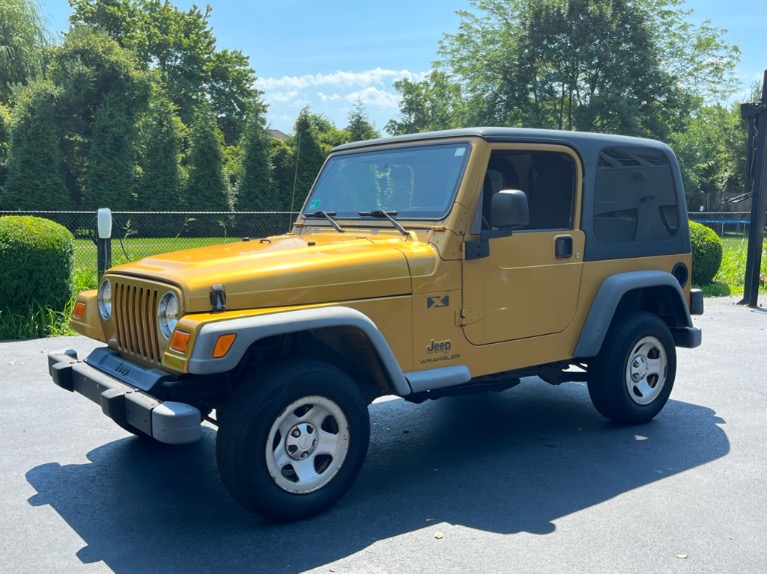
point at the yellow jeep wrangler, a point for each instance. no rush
(420, 266)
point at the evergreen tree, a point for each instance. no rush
(283, 173)
(207, 189)
(89, 70)
(111, 169)
(308, 157)
(359, 127)
(35, 180)
(255, 191)
(5, 142)
(161, 134)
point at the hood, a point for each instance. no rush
(284, 271)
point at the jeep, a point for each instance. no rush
(422, 266)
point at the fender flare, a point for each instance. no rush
(252, 329)
(609, 297)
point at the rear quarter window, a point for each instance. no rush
(634, 196)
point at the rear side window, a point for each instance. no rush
(635, 198)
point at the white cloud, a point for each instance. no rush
(331, 95)
(285, 96)
(328, 98)
(339, 79)
(372, 96)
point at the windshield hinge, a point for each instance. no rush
(465, 317)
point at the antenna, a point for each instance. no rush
(295, 174)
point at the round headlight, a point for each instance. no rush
(105, 299)
(167, 314)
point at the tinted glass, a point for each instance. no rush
(635, 198)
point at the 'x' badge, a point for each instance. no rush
(443, 301)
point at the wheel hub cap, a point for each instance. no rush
(646, 370)
(301, 441)
(638, 368)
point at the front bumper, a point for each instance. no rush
(129, 406)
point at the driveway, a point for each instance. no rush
(528, 480)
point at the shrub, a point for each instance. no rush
(36, 258)
(706, 253)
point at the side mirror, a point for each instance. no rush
(509, 209)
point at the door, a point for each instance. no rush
(529, 282)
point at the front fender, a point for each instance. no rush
(252, 329)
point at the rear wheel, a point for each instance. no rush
(293, 440)
(634, 372)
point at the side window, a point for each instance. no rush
(550, 190)
(547, 178)
(635, 198)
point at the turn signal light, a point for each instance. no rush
(79, 309)
(179, 341)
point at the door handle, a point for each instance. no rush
(563, 247)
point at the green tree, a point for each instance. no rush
(613, 66)
(23, 38)
(711, 153)
(359, 127)
(110, 177)
(90, 69)
(35, 179)
(283, 173)
(230, 87)
(181, 47)
(256, 191)
(5, 142)
(308, 154)
(434, 103)
(161, 136)
(207, 188)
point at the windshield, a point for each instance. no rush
(414, 182)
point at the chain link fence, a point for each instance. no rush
(137, 234)
(724, 223)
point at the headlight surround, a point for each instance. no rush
(105, 299)
(167, 314)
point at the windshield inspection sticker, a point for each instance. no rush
(315, 204)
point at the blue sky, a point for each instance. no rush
(329, 54)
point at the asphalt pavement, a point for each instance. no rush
(531, 480)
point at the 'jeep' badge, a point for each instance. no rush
(439, 346)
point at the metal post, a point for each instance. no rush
(104, 241)
(756, 183)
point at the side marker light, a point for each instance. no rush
(223, 345)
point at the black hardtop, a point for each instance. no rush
(586, 143)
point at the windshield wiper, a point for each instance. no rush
(387, 215)
(329, 216)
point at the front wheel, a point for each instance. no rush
(633, 375)
(293, 440)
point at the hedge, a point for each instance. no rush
(36, 258)
(706, 253)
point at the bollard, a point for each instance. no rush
(104, 241)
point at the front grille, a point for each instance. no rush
(135, 314)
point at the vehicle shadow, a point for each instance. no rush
(506, 463)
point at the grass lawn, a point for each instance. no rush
(132, 249)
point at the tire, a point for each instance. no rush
(293, 440)
(634, 372)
